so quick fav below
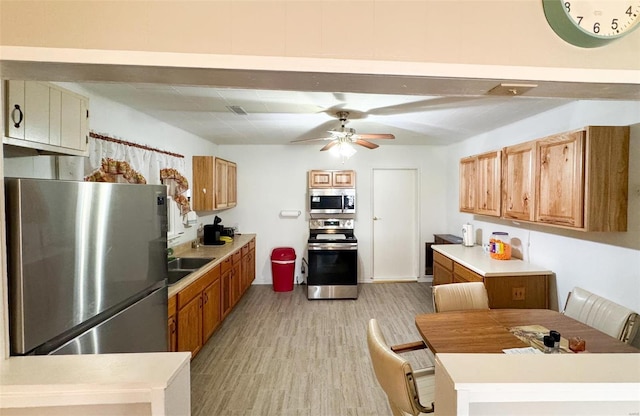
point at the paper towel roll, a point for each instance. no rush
(467, 235)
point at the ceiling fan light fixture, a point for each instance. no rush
(343, 149)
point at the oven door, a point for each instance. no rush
(333, 271)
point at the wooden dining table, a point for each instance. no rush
(488, 331)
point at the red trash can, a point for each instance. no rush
(283, 264)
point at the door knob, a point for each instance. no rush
(377, 218)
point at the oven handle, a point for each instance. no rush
(334, 247)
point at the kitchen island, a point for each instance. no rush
(510, 283)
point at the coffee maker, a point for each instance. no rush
(212, 233)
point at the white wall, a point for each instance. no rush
(604, 263)
(274, 178)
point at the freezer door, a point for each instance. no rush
(142, 327)
(78, 249)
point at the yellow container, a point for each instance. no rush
(500, 246)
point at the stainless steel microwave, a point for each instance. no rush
(332, 201)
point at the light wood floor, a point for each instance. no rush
(278, 353)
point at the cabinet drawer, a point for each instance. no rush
(252, 244)
(225, 266)
(461, 273)
(237, 256)
(189, 293)
(443, 260)
(245, 250)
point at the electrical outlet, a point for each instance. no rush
(517, 293)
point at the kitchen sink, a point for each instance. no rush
(176, 275)
(189, 263)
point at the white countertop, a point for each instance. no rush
(218, 252)
(50, 380)
(476, 259)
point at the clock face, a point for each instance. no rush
(603, 18)
(591, 23)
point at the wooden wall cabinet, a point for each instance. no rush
(214, 183)
(199, 312)
(332, 179)
(480, 178)
(577, 180)
(583, 179)
(518, 181)
(43, 116)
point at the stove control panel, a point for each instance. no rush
(331, 224)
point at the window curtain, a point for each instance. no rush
(116, 160)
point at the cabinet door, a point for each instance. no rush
(173, 334)
(236, 283)
(344, 179)
(190, 326)
(441, 275)
(227, 292)
(15, 109)
(203, 186)
(560, 186)
(71, 122)
(488, 174)
(518, 181)
(36, 113)
(221, 183)
(232, 184)
(252, 264)
(320, 179)
(211, 313)
(468, 184)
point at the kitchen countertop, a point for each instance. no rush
(476, 259)
(94, 379)
(218, 252)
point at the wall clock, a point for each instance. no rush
(592, 23)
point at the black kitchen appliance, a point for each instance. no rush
(212, 233)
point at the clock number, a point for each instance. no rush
(628, 12)
(614, 24)
(579, 19)
(567, 5)
(596, 27)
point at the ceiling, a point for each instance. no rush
(283, 106)
(279, 117)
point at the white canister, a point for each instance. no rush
(467, 235)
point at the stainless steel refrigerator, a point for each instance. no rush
(87, 267)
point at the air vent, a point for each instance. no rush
(237, 109)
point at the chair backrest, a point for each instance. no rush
(391, 371)
(460, 297)
(602, 314)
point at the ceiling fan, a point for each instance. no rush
(348, 135)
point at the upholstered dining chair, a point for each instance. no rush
(602, 314)
(460, 297)
(406, 389)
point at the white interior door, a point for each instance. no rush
(395, 224)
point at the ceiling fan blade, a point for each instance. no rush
(366, 144)
(375, 136)
(312, 140)
(329, 145)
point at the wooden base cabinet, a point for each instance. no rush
(510, 292)
(199, 312)
(248, 268)
(172, 324)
